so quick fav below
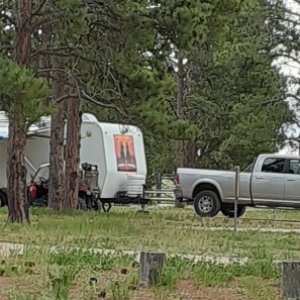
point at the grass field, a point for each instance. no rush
(42, 274)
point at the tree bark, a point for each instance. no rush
(290, 280)
(151, 267)
(44, 59)
(56, 195)
(158, 184)
(17, 207)
(72, 153)
(23, 32)
(191, 159)
(180, 115)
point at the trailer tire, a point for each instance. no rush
(3, 199)
(228, 210)
(81, 205)
(207, 203)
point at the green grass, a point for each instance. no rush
(67, 274)
(83, 275)
(169, 230)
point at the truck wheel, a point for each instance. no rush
(3, 199)
(207, 204)
(228, 210)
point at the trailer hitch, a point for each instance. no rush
(106, 206)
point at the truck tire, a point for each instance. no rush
(207, 203)
(3, 199)
(228, 210)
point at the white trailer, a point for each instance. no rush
(117, 150)
(3, 148)
(36, 153)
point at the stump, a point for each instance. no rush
(151, 266)
(290, 280)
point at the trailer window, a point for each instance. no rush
(274, 165)
(294, 166)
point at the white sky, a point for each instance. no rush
(291, 68)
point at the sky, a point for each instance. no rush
(291, 68)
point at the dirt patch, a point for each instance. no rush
(187, 290)
(7, 283)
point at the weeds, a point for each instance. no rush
(56, 275)
(61, 280)
(12, 294)
(119, 291)
(167, 230)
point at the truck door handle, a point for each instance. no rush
(291, 180)
(258, 177)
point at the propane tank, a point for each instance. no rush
(33, 190)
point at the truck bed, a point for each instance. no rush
(225, 181)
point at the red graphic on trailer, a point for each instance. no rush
(125, 153)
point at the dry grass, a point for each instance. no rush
(40, 274)
(82, 275)
(169, 230)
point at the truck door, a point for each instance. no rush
(292, 181)
(268, 183)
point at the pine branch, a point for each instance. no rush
(65, 97)
(101, 102)
(39, 8)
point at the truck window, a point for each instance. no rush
(294, 167)
(274, 165)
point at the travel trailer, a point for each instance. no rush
(117, 150)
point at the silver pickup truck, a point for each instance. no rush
(271, 181)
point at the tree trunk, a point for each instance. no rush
(180, 98)
(17, 208)
(180, 115)
(151, 268)
(191, 159)
(44, 60)
(56, 172)
(158, 185)
(23, 32)
(72, 153)
(290, 280)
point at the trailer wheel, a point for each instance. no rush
(207, 203)
(228, 210)
(3, 199)
(81, 205)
